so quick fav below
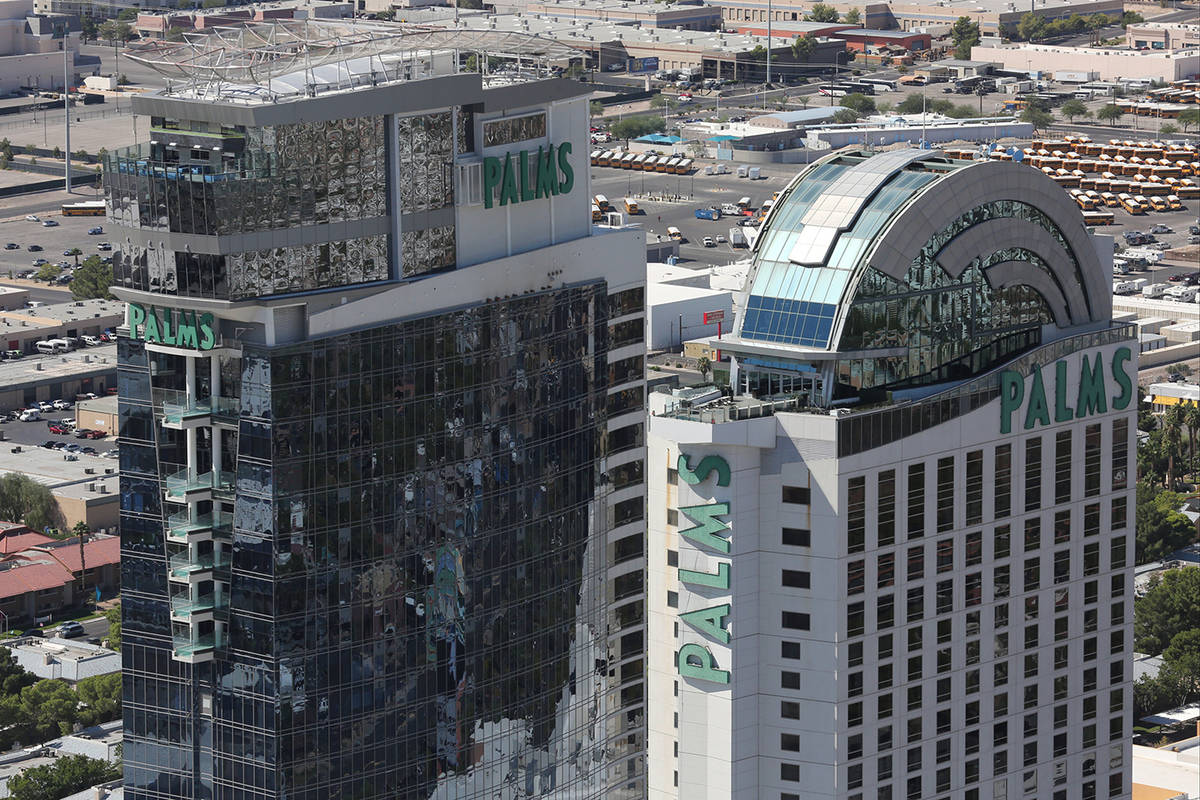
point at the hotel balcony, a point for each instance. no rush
(181, 412)
(194, 648)
(187, 568)
(188, 487)
(193, 606)
(182, 527)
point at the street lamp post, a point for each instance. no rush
(67, 102)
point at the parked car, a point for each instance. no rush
(59, 430)
(44, 407)
(34, 248)
(90, 341)
(49, 444)
(1175, 377)
(82, 433)
(70, 629)
(105, 246)
(32, 218)
(91, 451)
(96, 434)
(49, 223)
(73, 448)
(13, 355)
(96, 231)
(1160, 228)
(12, 246)
(59, 445)
(37, 262)
(708, 242)
(110, 454)
(61, 405)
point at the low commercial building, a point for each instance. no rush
(686, 15)
(957, 68)
(44, 580)
(885, 131)
(67, 659)
(99, 414)
(156, 25)
(48, 378)
(862, 40)
(23, 328)
(84, 486)
(31, 54)
(1162, 396)
(13, 297)
(790, 29)
(1111, 64)
(1171, 772)
(676, 313)
(1162, 36)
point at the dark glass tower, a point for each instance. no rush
(381, 468)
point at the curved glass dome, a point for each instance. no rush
(908, 269)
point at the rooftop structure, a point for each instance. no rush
(85, 486)
(93, 369)
(689, 15)
(1109, 63)
(288, 60)
(1162, 36)
(68, 659)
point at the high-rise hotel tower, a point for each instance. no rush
(895, 563)
(382, 403)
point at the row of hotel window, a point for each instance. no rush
(948, 480)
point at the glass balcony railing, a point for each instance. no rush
(182, 482)
(186, 606)
(179, 408)
(187, 646)
(184, 564)
(181, 525)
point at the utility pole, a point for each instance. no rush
(768, 53)
(66, 46)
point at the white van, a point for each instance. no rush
(90, 341)
(51, 346)
(30, 415)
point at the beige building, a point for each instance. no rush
(22, 329)
(31, 47)
(13, 298)
(1162, 36)
(85, 487)
(48, 378)
(98, 415)
(1111, 64)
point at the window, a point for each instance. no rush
(916, 563)
(799, 495)
(916, 604)
(794, 620)
(945, 493)
(1091, 519)
(1001, 547)
(1033, 574)
(885, 570)
(945, 597)
(855, 619)
(673, 517)
(789, 772)
(1091, 460)
(789, 680)
(1120, 453)
(884, 677)
(1119, 514)
(916, 500)
(885, 611)
(1033, 474)
(974, 589)
(789, 710)
(789, 742)
(1117, 558)
(856, 514)
(974, 491)
(797, 537)
(516, 129)
(1002, 482)
(885, 517)
(856, 577)
(1062, 526)
(796, 579)
(1062, 467)
(1091, 558)
(945, 555)
(1033, 534)
(974, 548)
(1062, 566)
(789, 650)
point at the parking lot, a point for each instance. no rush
(37, 432)
(70, 232)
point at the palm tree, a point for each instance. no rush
(704, 366)
(1173, 436)
(76, 252)
(1191, 421)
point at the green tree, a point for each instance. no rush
(1172, 428)
(859, 103)
(845, 116)
(75, 253)
(595, 109)
(66, 776)
(852, 17)
(965, 35)
(100, 697)
(1151, 695)
(633, 127)
(823, 13)
(1074, 108)
(1189, 118)
(387, 15)
(45, 710)
(803, 46)
(1169, 129)
(960, 111)
(24, 499)
(92, 279)
(1037, 117)
(1031, 27)
(1182, 657)
(174, 34)
(127, 15)
(56, 152)
(1131, 18)
(82, 155)
(1160, 528)
(212, 3)
(113, 615)
(48, 272)
(87, 29)
(1168, 608)
(703, 366)
(13, 677)
(912, 104)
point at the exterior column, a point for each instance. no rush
(190, 379)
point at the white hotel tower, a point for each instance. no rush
(895, 564)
